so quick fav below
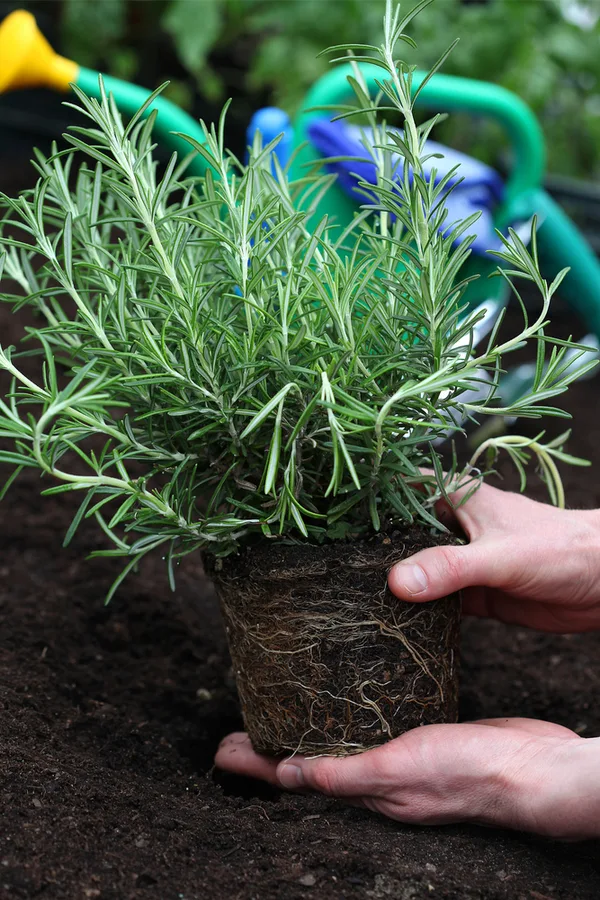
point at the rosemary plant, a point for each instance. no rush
(214, 365)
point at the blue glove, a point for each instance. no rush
(476, 187)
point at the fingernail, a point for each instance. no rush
(290, 776)
(412, 578)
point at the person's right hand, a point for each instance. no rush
(527, 563)
(508, 773)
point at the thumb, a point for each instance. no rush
(347, 777)
(439, 571)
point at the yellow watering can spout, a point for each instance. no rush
(26, 58)
(28, 61)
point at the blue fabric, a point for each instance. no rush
(271, 122)
(478, 187)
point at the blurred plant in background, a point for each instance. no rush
(546, 51)
(266, 50)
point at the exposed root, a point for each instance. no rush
(326, 659)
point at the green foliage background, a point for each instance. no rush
(529, 46)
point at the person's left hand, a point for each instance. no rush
(515, 773)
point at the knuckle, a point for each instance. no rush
(383, 767)
(325, 778)
(451, 564)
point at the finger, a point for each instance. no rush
(476, 513)
(497, 604)
(489, 509)
(532, 726)
(468, 514)
(236, 755)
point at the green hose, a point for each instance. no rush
(130, 97)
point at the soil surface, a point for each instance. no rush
(110, 718)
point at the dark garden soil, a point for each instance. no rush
(109, 719)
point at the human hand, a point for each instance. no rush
(513, 773)
(527, 563)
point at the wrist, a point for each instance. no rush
(559, 790)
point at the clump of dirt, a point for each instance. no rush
(326, 659)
